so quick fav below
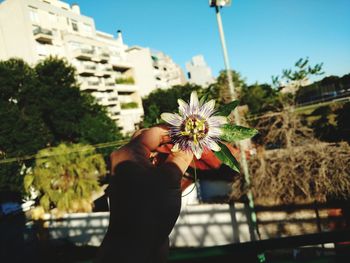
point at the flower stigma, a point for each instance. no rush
(194, 128)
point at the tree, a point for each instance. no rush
(22, 130)
(65, 177)
(260, 98)
(343, 125)
(43, 106)
(292, 79)
(327, 88)
(72, 116)
(323, 128)
(160, 101)
(220, 89)
(293, 167)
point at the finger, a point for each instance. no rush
(140, 147)
(181, 159)
(152, 138)
(138, 132)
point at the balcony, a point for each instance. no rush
(113, 101)
(104, 56)
(86, 69)
(108, 71)
(84, 53)
(120, 65)
(126, 88)
(43, 35)
(91, 85)
(110, 86)
(104, 72)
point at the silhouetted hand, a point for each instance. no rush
(145, 200)
(145, 142)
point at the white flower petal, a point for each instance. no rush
(213, 145)
(214, 132)
(171, 118)
(194, 103)
(197, 151)
(207, 109)
(183, 107)
(216, 121)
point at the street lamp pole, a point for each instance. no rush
(224, 50)
(218, 4)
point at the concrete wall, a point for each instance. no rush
(143, 69)
(199, 225)
(14, 31)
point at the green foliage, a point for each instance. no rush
(160, 101)
(65, 177)
(301, 72)
(226, 109)
(323, 129)
(125, 80)
(327, 87)
(260, 98)
(343, 124)
(42, 106)
(234, 133)
(129, 105)
(226, 157)
(220, 89)
(68, 112)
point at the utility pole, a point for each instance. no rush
(244, 163)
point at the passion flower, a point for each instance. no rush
(195, 128)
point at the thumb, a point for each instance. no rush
(182, 159)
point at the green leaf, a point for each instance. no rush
(234, 133)
(226, 157)
(226, 109)
(204, 98)
(28, 180)
(45, 202)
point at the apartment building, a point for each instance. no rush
(198, 71)
(35, 29)
(154, 69)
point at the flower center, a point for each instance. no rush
(194, 128)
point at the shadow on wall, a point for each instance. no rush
(205, 225)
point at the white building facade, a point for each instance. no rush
(35, 29)
(198, 72)
(154, 70)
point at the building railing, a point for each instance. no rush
(93, 83)
(40, 30)
(104, 55)
(90, 67)
(87, 51)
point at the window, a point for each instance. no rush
(52, 17)
(87, 29)
(33, 13)
(75, 25)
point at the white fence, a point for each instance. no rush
(199, 225)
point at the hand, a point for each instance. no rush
(145, 199)
(145, 142)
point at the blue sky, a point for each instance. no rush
(263, 36)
